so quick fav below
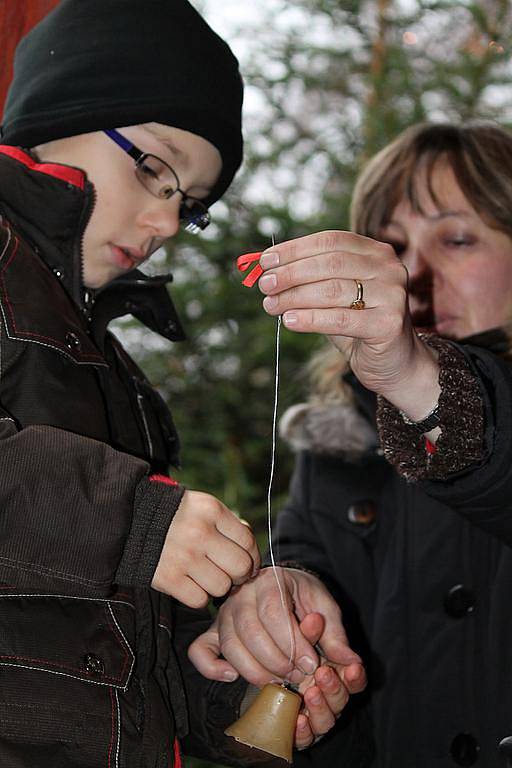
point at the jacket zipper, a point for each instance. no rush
(85, 297)
(140, 403)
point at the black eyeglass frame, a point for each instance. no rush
(193, 219)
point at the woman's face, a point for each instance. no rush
(460, 269)
(128, 223)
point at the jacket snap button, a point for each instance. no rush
(459, 601)
(505, 748)
(59, 272)
(72, 341)
(465, 749)
(362, 512)
(93, 664)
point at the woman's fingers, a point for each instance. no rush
(238, 655)
(249, 647)
(318, 277)
(334, 292)
(204, 653)
(325, 266)
(368, 325)
(319, 243)
(279, 622)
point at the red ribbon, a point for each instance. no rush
(244, 262)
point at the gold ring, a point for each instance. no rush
(358, 303)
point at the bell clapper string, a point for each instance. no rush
(286, 608)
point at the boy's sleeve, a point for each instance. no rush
(74, 511)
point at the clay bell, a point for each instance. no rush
(269, 723)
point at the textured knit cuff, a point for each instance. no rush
(294, 565)
(156, 500)
(461, 420)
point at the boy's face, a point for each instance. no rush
(128, 223)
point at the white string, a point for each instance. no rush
(269, 494)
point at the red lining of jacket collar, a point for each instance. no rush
(71, 175)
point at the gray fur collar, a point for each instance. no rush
(334, 428)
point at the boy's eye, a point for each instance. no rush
(147, 170)
(166, 192)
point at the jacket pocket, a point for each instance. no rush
(65, 670)
(71, 637)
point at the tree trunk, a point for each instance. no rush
(17, 17)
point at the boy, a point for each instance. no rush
(122, 122)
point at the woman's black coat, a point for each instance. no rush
(423, 573)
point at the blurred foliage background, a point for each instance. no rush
(328, 82)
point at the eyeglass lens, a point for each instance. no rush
(160, 179)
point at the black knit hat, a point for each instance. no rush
(97, 64)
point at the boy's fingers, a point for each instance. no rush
(303, 734)
(230, 558)
(323, 709)
(354, 678)
(241, 534)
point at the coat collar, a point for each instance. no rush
(50, 205)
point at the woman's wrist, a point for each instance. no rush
(417, 394)
(460, 432)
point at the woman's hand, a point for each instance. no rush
(207, 549)
(254, 634)
(250, 635)
(311, 281)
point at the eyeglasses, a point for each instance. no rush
(162, 181)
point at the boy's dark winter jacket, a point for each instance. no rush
(90, 656)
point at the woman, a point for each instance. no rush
(400, 500)
(122, 122)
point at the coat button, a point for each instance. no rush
(93, 665)
(505, 749)
(72, 341)
(459, 601)
(464, 749)
(362, 512)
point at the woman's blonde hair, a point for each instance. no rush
(479, 154)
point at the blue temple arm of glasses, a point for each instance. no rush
(124, 143)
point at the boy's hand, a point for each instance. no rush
(325, 693)
(206, 551)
